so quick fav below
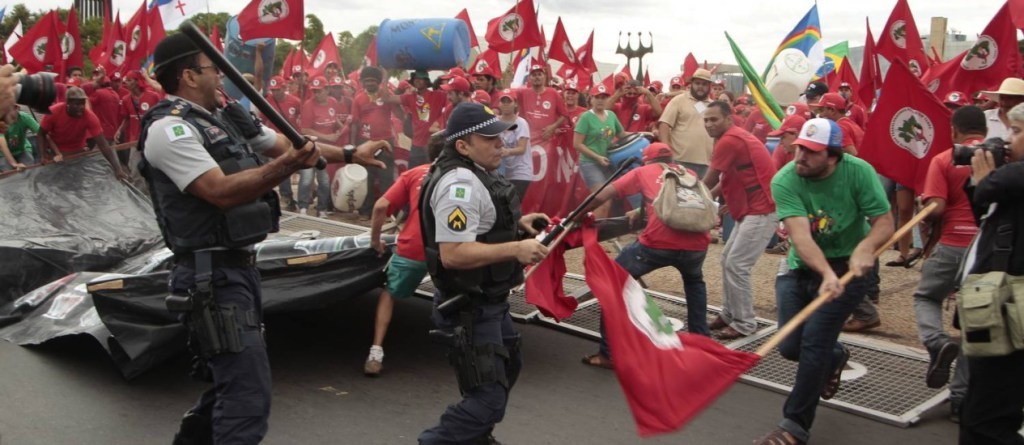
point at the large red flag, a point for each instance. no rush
(585, 55)
(155, 31)
(464, 16)
(560, 49)
(283, 19)
(907, 129)
(370, 58)
(554, 168)
(939, 77)
(870, 77)
(40, 46)
(900, 39)
(71, 43)
(545, 289)
(286, 64)
(325, 53)
(138, 43)
(515, 29)
(487, 60)
(667, 377)
(690, 66)
(115, 48)
(845, 75)
(993, 57)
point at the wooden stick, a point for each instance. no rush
(807, 311)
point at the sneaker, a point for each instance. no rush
(375, 362)
(292, 207)
(860, 325)
(303, 211)
(323, 213)
(938, 369)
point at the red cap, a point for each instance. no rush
(537, 64)
(481, 97)
(116, 75)
(276, 83)
(572, 85)
(792, 124)
(137, 76)
(800, 109)
(507, 92)
(832, 100)
(657, 150)
(459, 84)
(676, 81)
(335, 81)
(844, 85)
(454, 72)
(739, 109)
(482, 68)
(318, 83)
(404, 85)
(657, 85)
(719, 82)
(957, 98)
(600, 89)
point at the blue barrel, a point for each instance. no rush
(243, 56)
(422, 44)
(631, 146)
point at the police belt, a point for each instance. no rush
(220, 258)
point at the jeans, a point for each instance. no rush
(739, 256)
(866, 310)
(594, 174)
(378, 181)
(418, 156)
(815, 344)
(938, 279)
(638, 260)
(323, 189)
(24, 158)
(285, 188)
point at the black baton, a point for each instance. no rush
(297, 139)
(456, 302)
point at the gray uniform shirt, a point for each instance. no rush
(175, 147)
(462, 207)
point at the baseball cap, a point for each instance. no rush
(831, 100)
(454, 72)
(819, 134)
(657, 150)
(481, 68)
(537, 64)
(116, 75)
(481, 97)
(676, 81)
(957, 98)
(335, 81)
(701, 73)
(657, 85)
(419, 74)
(471, 117)
(792, 124)
(572, 85)
(600, 89)
(135, 75)
(844, 85)
(76, 93)
(815, 90)
(801, 109)
(719, 82)
(459, 84)
(371, 72)
(318, 83)
(507, 92)
(276, 83)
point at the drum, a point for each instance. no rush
(631, 146)
(348, 190)
(422, 44)
(788, 77)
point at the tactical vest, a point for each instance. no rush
(488, 284)
(189, 223)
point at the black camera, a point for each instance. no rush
(37, 91)
(962, 154)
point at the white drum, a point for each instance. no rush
(348, 190)
(789, 75)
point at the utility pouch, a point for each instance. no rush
(1015, 313)
(247, 224)
(981, 302)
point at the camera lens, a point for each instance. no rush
(37, 91)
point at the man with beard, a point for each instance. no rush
(542, 107)
(424, 106)
(837, 215)
(372, 111)
(72, 127)
(634, 113)
(682, 125)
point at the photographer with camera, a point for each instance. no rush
(992, 408)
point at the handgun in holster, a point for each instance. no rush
(474, 365)
(214, 328)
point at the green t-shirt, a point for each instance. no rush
(598, 135)
(837, 206)
(17, 141)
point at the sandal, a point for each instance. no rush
(898, 262)
(778, 437)
(597, 360)
(832, 386)
(915, 255)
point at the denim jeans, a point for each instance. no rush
(815, 344)
(323, 189)
(285, 188)
(378, 181)
(938, 280)
(638, 260)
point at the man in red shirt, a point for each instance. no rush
(540, 106)
(288, 106)
(372, 111)
(117, 84)
(424, 106)
(954, 227)
(855, 112)
(408, 263)
(133, 107)
(343, 109)
(320, 119)
(742, 167)
(832, 106)
(457, 91)
(106, 104)
(636, 107)
(658, 245)
(787, 134)
(571, 94)
(71, 126)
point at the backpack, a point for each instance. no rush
(684, 202)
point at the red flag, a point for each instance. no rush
(900, 39)
(1017, 13)
(370, 58)
(486, 61)
(40, 46)
(993, 57)
(844, 75)
(690, 66)
(325, 53)
(215, 38)
(155, 31)
(71, 44)
(96, 53)
(667, 377)
(560, 49)
(939, 78)
(516, 29)
(870, 77)
(286, 65)
(585, 55)
(647, 78)
(138, 43)
(908, 127)
(115, 48)
(283, 19)
(464, 16)
(544, 288)
(554, 163)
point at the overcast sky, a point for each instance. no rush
(678, 26)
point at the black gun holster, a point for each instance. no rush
(474, 364)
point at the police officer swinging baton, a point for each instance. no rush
(298, 140)
(556, 234)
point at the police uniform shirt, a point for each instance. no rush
(175, 147)
(462, 207)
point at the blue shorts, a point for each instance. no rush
(404, 276)
(594, 174)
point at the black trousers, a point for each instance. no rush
(993, 408)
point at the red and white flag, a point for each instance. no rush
(283, 19)
(40, 46)
(845, 75)
(907, 129)
(325, 53)
(515, 29)
(560, 49)
(486, 61)
(993, 57)
(115, 48)
(138, 38)
(585, 55)
(870, 75)
(900, 40)
(370, 58)
(71, 42)
(667, 377)
(545, 289)
(464, 16)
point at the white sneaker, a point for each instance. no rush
(322, 213)
(374, 362)
(303, 211)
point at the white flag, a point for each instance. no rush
(14, 37)
(522, 73)
(173, 12)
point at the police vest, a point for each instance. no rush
(486, 284)
(189, 223)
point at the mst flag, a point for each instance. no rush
(464, 16)
(667, 377)
(544, 288)
(487, 61)
(282, 19)
(71, 42)
(585, 55)
(115, 49)
(908, 127)
(40, 46)
(325, 53)
(900, 40)
(993, 57)
(561, 50)
(516, 29)
(870, 75)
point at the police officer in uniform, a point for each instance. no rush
(473, 236)
(213, 200)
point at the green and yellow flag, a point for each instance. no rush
(833, 59)
(765, 102)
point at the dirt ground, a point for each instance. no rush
(896, 304)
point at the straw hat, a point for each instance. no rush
(1011, 86)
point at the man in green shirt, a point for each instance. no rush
(15, 148)
(837, 215)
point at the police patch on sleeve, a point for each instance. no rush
(178, 131)
(457, 220)
(460, 192)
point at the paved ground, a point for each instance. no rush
(69, 393)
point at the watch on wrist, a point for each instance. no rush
(348, 150)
